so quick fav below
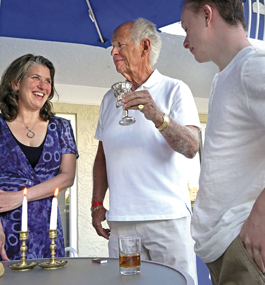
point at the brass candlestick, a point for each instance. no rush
(23, 265)
(53, 264)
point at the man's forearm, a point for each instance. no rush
(100, 181)
(183, 139)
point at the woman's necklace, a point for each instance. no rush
(30, 133)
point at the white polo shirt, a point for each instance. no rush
(147, 179)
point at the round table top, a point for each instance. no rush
(80, 271)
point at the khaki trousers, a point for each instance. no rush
(166, 241)
(235, 267)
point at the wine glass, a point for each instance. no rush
(119, 89)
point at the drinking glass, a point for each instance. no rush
(119, 89)
(129, 255)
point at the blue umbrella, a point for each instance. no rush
(255, 18)
(71, 20)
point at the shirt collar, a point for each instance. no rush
(151, 81)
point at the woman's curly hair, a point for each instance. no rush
(14, 73)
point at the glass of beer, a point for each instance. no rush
(129, 255)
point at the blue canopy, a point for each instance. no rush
(255, 30)
(69, 21)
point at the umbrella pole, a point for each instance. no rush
(93, 19)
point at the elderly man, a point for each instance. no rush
(228, 223)
(143, 165)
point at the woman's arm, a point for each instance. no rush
(65, 178)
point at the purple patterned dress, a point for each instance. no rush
(16, 173)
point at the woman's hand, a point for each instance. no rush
(10, 200)
(2, 244)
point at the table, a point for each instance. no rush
(81, 271)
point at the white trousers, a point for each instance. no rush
(166, 241)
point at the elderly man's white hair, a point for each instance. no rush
(142, 29)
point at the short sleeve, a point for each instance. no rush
(66, 137)
(253, 75)
(103, 114)
(183, 109)
(99, 130)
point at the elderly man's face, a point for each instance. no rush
(126, 55)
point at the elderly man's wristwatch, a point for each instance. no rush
(166, 121)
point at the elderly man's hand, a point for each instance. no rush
(98, 216)
(132, 100)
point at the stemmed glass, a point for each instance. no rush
(119, 89)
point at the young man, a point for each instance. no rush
(228, 223)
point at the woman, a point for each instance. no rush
(37, 151)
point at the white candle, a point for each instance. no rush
(53, 220)
(24, 223)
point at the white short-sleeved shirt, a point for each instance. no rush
(233, 162)
(146, 178)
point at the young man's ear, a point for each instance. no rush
(208, 13)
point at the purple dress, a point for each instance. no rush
(16, 173)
